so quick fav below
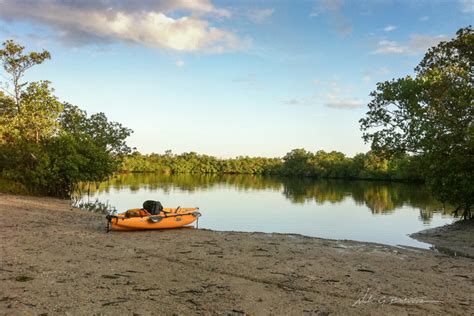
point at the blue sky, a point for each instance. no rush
(230, 78)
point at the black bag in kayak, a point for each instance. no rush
(153, 207)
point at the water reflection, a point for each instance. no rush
(379, 197)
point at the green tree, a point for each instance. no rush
(7, 114)
(93, 145)
(432, 115)
(16, 63)
(40, 112)
(38, 118)
(298, 162)
(49, 146)
(28, 110)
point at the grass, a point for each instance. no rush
(8, 186)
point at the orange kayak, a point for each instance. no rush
(139, 219)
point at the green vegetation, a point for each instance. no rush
(431, 116)
(46, 146)
(198, 164)
(298, 162)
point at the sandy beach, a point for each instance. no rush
(58, 260)
(456, 239)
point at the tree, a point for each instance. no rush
(38, 117)
(100, 141)
(298, 162)
(7, 114)
(28, 110)
(15, 63)
(49, 146)
(40, 112)
(432, 115)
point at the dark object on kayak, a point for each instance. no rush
(153, 207)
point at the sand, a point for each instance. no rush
(59, 260)
(456, 239)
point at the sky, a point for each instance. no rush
(230, 78)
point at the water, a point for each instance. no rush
(358, 210)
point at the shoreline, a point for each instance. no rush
(57, 259)
(456, 239)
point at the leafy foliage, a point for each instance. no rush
(298, 162)
(432, 115)
(46, 145)
(15, 63)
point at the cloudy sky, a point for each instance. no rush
(230, 78)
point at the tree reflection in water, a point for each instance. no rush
(379, 197)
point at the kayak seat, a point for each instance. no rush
(153, 207)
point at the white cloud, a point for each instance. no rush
(341, 97)
(383, 71)
(421, 43)
(250, 82)
(294, 101)
(338, 97)
(145, 23)
(390, 28)
(310, 100)
(179, 63)
(416, 45)
(326, 5)
(369, 75)
(259, 15)
(334, 9)
(346, 104)
(390, 47)
(467, 6)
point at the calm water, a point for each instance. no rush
(358, 210)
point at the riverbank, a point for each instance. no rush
(456, 239)
(57, 260)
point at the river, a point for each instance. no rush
(336, 209)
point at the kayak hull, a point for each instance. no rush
(171, 219)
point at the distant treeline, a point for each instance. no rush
(298, 162)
